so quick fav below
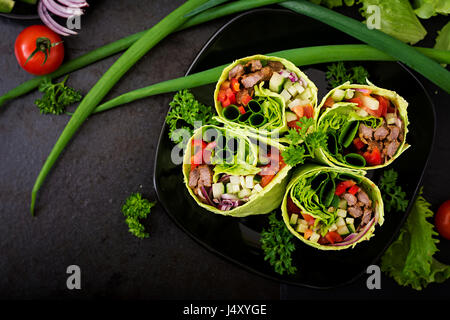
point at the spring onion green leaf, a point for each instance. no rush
(56, 97)
(135, 209)
(409, 259)
(376, 38)
(277, 245)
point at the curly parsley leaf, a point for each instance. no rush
(187, 113)
(409, 260)
(56, 97)
(338, 73)
(304, 136)
(394, 197)
(277, 246)
(134, 209)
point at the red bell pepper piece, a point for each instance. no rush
(353, 190)
(329, 102)
(333, 237)
(384, 104)
(246, 99)
(343, 186)
(241, 109)
(308, 111)
(309, 219)
(235, 86)
(373, 157)
(358, 143)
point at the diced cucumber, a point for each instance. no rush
(6, 6)
(351, 227)
(276, 82)
(244, 193)
(299, 87)
(302, 228)
(292, 90)
(362, 113)
(293, 219)
(341, 213)
(218, 189)
(302, 221)
(285, 95)
(249, 182)
(290, 116)
(349, 93)
(338, 95)
(343, 230)
(342, 204)
(287, 85)
(233, 188)
(333, 227)
(242, 180)
(349, 220)
(390, 118)
(340, 222)
(235, 180)
(370, 102)
(314, 237)
(297, 102)
(257, 188)
(306, 95)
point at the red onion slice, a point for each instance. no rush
(206, 196)
(61, 11)
(74, 4)
(367, 91)
(52, 24)
(356, 237)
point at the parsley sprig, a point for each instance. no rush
(338, 73)
(394, 197)
(56, 97)
(277, 245)
(303, 142)
(134, 209)
(186, 113)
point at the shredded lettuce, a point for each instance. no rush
(409, 260)
(428, 8)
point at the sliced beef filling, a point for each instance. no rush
(199, 177)
(359, 206)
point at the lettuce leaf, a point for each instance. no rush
(443, 38)
(409, 260)
(428, 8)
(398, 19)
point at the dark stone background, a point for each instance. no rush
(78, 211)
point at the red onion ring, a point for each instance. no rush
(61, 11)
(52, 24)
(356, 237)
(74, 4)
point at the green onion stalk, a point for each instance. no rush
(299, 57)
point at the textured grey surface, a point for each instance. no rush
(78, 211)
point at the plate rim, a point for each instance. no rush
(277, 279)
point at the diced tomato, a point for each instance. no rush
(322, 240)
(343, 186)
(333, 237)
(292, 207)
(353, 190)
(225, 85)
(226, 103)
(299, 111)
(235, 86)
(329, 102)
(309, 219)
(231, 96)
(373, 158)
(356, 100)
(308, 233)
(196, 159)
(358, 143)
(198, 145)
(246, 99)
(308, 111)
(265, 180)
(293, 125)
(221, 96)
(241, 109)
(384, 104)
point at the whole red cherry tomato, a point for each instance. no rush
(39, 50)
(442, 220)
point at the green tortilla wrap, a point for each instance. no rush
(230, 174)
(261, 94)
(366, 127)
(320, 209)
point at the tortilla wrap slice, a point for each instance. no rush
(246, 162)
(267, 113)
(328, 121)
(306, 193)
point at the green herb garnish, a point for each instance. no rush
(56, 97)
(187, 113)
(134, 209)
(277, 245)
(338, 73)
(409, 259)
(296, 153)
(393, 195)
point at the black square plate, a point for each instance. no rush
(237, 239)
